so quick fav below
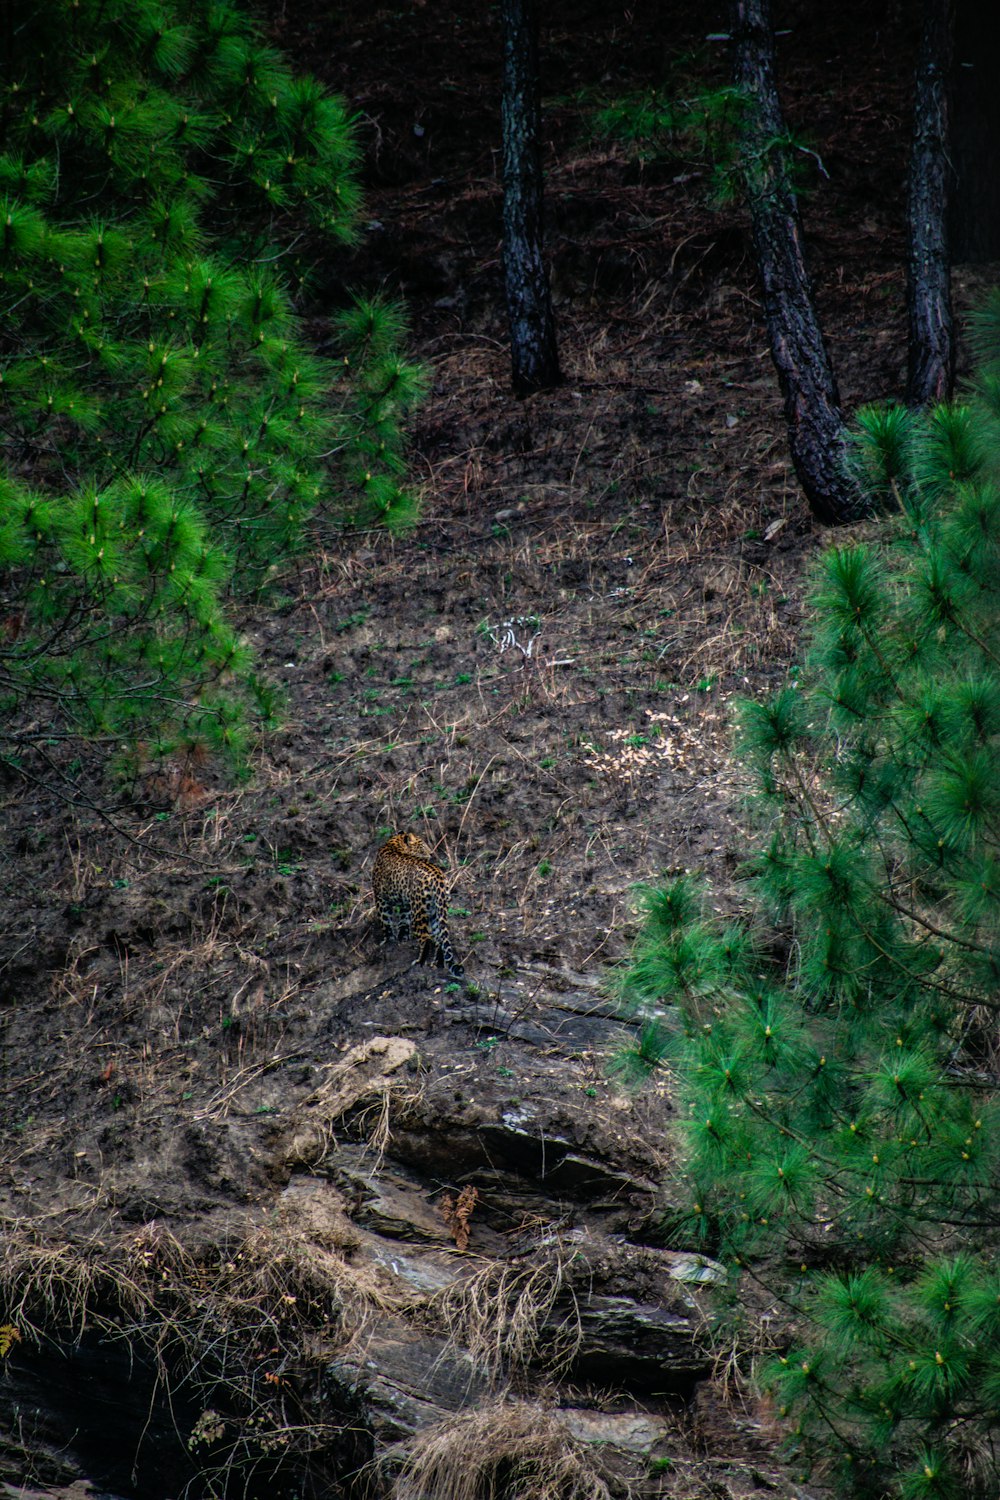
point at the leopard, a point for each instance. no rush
(409, 889)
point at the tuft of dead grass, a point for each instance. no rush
(508, 1317)
(504, 1449)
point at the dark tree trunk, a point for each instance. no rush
(975, 207)
(534, 359)
(931, 346)
(816, 430)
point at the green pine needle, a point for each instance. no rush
(162, 181)
(837, 1082)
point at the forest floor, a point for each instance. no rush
(539, 677)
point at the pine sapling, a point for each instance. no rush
(836, 1060)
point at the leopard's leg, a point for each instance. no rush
(396, 919)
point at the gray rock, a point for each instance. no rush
(408, 1381)
(639, 1346)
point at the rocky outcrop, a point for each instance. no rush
(471, 1246)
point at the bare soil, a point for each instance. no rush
(539, 678)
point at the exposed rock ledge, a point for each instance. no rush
(556, 1294)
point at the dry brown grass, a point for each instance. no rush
(505, 1449)
(53, 1291)
(281, 1283)
(508, 1317)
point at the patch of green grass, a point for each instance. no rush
(353, 621)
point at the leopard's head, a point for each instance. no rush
(413, 844)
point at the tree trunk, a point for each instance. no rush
(816, 430)
(534, 358)
(931, 347)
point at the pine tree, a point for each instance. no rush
(166, 433)
(835, 1053)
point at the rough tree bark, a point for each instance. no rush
(534, 357)
(931, 345)
(816, 429)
